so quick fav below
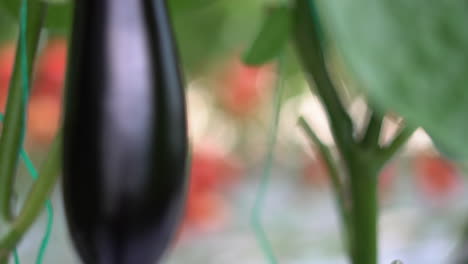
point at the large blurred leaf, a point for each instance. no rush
(208, 30)
(192, 5)
(59, 17)
(272, 37)
(10, 7)
(6, 28)
(198, 26)
(411, 57)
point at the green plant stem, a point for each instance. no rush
(12, 135)
(338, 188)
(387, 152)
(36, 199)
(363, 181)
(364, 160)
(311, 54)
(372, 134)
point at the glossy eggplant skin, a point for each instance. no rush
(125, 132)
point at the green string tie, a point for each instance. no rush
(266, 174)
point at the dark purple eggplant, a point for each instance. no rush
(125, 132)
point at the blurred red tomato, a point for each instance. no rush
(45, 103)
(435, 176)
(211, 170)
(7, 58)
(51, 68)
(243, 88)
(316, 172)
(387, 178)
(44, 114)
(206, 211)
(46, 100)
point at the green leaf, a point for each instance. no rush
(6, 29)
(272, 37)
(411, 57)
(59, 17)
(10, 7)
(446, 152)
(198, 31)
(57, 1)
(191, 6)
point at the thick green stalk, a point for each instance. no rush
(363, 169)
(11, 137)
(36, 199)
(311, 54)
(363, 159)
(363, 181)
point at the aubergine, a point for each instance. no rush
(125, 132)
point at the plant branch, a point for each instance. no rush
(362, 166)
(372, 134)
(311, 54)
(36, 199)
(387, 152)
(327, 156)
(365, 210)
(12, 135)
(338, 188)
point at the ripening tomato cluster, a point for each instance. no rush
(242, 89)
(212, 172)
(315, 171)
(44, 109)
(387, 179)
(7, 58)
(436, 177)
(46, 99)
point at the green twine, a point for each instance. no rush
(24, 53)
(28, 163)
(50, 212)
(266, 175)
(15, 254)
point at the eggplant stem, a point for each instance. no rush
(12, 134)
(37, 197)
